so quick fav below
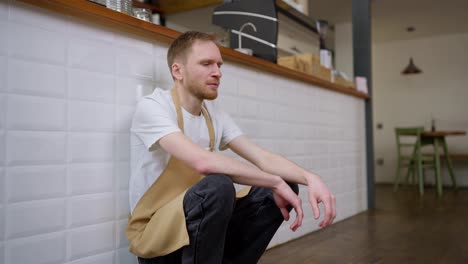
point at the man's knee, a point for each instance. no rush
(222, 184)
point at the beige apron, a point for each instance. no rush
(157, 225)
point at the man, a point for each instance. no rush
(181, 216)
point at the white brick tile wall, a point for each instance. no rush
(124, 118)
(87, 147)
(43, 249)
(91, 86)
(90, 240)
(92, 55)
(25, 147)
(2, 251)
(34, 16)
(91, 178)
(68, 90)
(121, 237)
(125, 257)
(37, 44)
(3, 72)
(22, 218)
(99, 208)
(22, 183)
(122, 145)
(88, 30)
(36, 78)
(2, 111)
(130, 90)
(105, 258)
(2, 224)
(123, 172)
(163, 74)
(123, 207)
(2, 148)
(3, 11)
(3, 32)
(35, 113)
(134, 63)
(90, 116)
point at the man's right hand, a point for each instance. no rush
(284, 196)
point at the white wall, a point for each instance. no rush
(68, 89)
(441, 91)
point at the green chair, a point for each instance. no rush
(410, 156)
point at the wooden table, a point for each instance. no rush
(437, 138)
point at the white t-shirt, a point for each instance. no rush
(156, 117)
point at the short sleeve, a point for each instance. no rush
(230, 130)
(153, 119)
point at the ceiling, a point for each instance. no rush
(390, 18)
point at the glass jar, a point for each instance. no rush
(124, 6)
(142, 13)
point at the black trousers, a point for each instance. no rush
(223, 230)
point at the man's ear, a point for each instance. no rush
(177, 71)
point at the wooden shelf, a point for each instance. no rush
(102, 15)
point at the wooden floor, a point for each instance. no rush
(404, 228)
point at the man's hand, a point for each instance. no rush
(284, 196)
(319, 193)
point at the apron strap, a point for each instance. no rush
(205, 113)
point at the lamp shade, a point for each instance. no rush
(411, 68)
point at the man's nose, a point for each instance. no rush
(217, 71)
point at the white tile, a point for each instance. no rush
(123, 205)
(160, 49)
(163, 74)
(31, 218)
(91, 240)
(122, 147)
(125, 257)
(45, 249)
(4, 32)
(35, 147)
(91, 147)
(36, 78)
(37, 44)
(38, 17)
(135, 63)
(4, 11)
(92, 55)
(129, 91)
(248, 108)
(2, 223)
(88, 116)
(124, 118)
(134, 42)
(2, 111)
(83, 29)
(229, 104)
(121, 237)
(228, 85)
(3, 72)
(22, 183)
(91, 86)
(91, 209)
(105, 258)
(2, 251)
(123, 174)
(247, 88)
(2, 148)
(91, 178)
(35, 113)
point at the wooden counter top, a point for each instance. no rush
(103, 15)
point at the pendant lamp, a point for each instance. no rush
(411, 68)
